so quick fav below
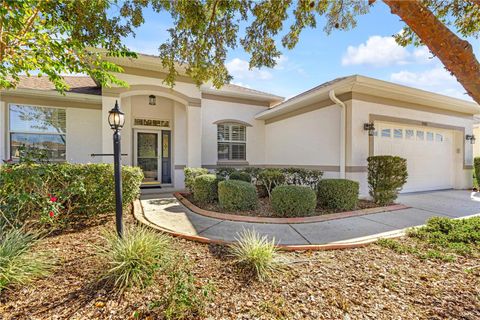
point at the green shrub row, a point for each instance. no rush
(191, 174)
(338, 194)
(205, 188)
(294, 201)
(237, 195)
(476, 172)
(54, 193)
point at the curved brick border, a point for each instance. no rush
(332, 216)
(348, 244)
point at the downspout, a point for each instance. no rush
(342, 106)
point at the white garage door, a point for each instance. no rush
(429, 153)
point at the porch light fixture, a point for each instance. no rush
(369, 127)
(471, 138)
(116, 119)
(152, 100)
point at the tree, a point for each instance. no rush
(56, 37)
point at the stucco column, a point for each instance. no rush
(194, 137)
(3, 132)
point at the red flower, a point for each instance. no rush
(53, 199)
(52, 214)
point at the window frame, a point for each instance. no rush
(230, 143)
(9, 130)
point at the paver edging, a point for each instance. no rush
(139, 214)
(331, 216)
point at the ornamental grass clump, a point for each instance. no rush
(19, 264)
(256, 254)
(133, 261)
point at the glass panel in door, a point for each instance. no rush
(147, 155)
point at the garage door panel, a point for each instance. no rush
(429, 154)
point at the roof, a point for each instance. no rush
(77, 84)
(233, 90)
(372, 87)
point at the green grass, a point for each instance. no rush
(440, 239)
(256, 254)
(18, 263)
(134, 260)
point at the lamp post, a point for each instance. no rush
(116, 120)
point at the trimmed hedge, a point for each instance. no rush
(58, 192)
(205, 188)
(191, 174)
(237, 195)
(294, 201)
(386, 177)
(303, 177)
(338, 194)
(241, 175)
(476, 171)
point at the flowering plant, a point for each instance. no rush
(52, 210)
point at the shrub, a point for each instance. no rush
(134, 259)
(338, 194)
(18, 264)
(53, 193)
(476, 171)
(271, 178)
(253, 172)
(256, 254)
(294, 201)
(205, 188)
(303, 177)
(237, 195)
(191, 174)
(241, 175)
(386, 177)
(225, 172)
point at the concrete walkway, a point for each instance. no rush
(167, 213)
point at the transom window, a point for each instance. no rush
(39, 128)
(232, 141)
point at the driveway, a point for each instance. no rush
(164, 211)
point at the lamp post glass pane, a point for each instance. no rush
(116, 119)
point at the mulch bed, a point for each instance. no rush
(365, 283)
(264, 209)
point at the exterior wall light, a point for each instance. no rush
(116, 120)
(470, 137)
(152, 100)
(370, 128)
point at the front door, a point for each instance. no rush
(147, 157)
(166, 157)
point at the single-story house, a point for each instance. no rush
(333, 127)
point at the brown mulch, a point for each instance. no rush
(264, 209)
(365, 283)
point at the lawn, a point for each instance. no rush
(377, 282)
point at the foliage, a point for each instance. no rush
(294, 201)
(460, 236)
(134, 259)
(256, 254)
(419, 251)
(185, 299)
(386, 177)
(476, 171)
(205, 188)
(241, 175)
(225, 172)
(237, 195)
(338, 194)
(18, 264)
(271, 178)
(56, 37)
(191, 174)
(303, 177)
(56, 193)
(32, 155)
(253, 172)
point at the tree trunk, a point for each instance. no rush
(455, 53)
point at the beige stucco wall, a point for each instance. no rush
(83, 135)
(476, 146)
(213, 110)
(308, 139)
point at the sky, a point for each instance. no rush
(368, 50)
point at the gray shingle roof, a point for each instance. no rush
(77, 84)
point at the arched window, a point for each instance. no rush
(231, 141)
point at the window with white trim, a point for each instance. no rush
(232, 141)
(42, 128)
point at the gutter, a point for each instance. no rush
(338, 102)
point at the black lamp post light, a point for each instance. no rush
(471, 138)
(116, 119)
(370, 128)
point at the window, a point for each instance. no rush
(408, 134)
(38, 127)
(438, 137)
(398, 133)
(231, 139)
(429, 136)
(386, 133)
(420, 135)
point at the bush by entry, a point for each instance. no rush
(293, 201)
(237, 195)
(386, 177)
(205, 188)
(53, 193)
(338, 194)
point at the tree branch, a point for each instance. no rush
(455, 53)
